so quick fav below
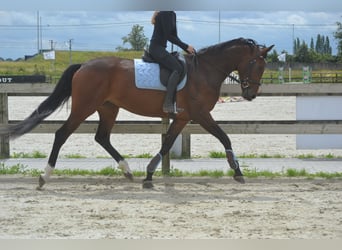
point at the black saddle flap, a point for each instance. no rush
(147, 57)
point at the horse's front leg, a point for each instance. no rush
(234, 164)
(209, 124)
(171, 135)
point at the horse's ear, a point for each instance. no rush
(264, 51)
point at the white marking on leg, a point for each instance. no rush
(123, 165)
(48, 172)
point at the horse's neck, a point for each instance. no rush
(218, 67)
(230, 59)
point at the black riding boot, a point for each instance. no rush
(169, 106)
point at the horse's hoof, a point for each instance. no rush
(41, 183)
(129, 176)
(147, 184)
(239, 178)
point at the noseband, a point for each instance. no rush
(246, 81)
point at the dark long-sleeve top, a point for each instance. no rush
(165, 29)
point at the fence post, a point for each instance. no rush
(281, 75)
(186, 145)
(166, 158)
(4, 140)
(306, 74)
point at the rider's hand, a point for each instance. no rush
(191, 49)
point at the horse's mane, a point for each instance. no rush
(219, 47)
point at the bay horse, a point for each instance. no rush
(105, 85)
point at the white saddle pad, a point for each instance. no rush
(147, 76)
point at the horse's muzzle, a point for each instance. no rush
(249, 98)
(248, 94)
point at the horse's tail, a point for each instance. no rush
(58, 97)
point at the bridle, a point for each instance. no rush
(245, 83)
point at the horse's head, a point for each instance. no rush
(250, 71)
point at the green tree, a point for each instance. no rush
(327, 47)
(338, 37)
(319, 44)
(136, 38)
(296, 45)
(323, 45)
(312, 45)
(319, 52)
(304, 54)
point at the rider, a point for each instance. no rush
(165, 29)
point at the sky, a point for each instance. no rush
(101, 26)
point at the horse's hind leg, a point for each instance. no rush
(61, 136)
(107, 113)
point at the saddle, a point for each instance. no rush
(164, 72)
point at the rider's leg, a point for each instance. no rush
(168, 106)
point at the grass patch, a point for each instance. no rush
(305, 156)
(35, 154)
(144, 156)
(251, 156)
(248, 156)
(272, 156)
(18, 169)
(108, 171)
(207, 173)
(296, 173)
(15, 169)
(328, 175)
(311, 156)
(329, 156)
(174, 172)
(214, 154)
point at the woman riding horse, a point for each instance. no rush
(165, 29)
